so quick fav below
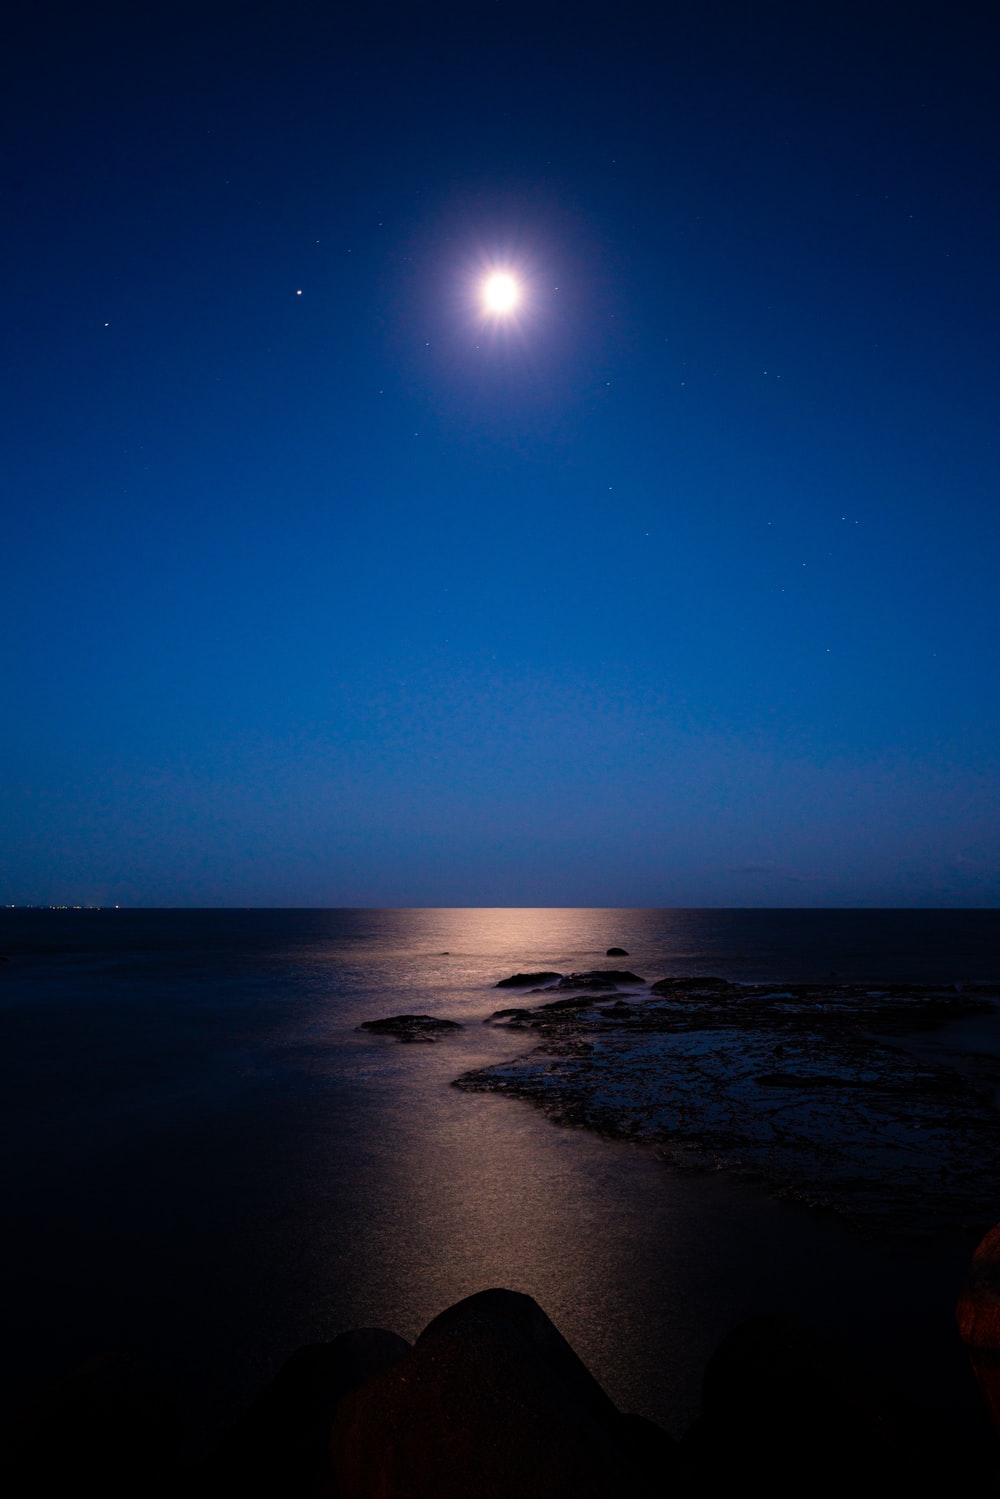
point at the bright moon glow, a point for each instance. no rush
(500, 294)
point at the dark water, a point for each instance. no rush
(205, 1164)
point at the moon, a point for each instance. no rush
(501, 294)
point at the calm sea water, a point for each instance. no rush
(207, 1165)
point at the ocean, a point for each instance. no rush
(207, 1164)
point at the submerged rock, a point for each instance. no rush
(599, 978)
(616, 952)
(578, 1002)
(692, 985)
(410, 1027)
(525, 980)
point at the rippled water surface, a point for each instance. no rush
(207, 1164)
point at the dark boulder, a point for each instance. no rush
(616, 952)
(491, 1402)
(525, 980)
(651, 1449)
(684, 985)
(410, 1027)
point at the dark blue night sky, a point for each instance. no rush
(679, 587)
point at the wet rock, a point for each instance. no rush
(410, 1027)
(525, 980)
(616, 952)
(827, 1092)
(508, 1015)
(692, 985)
(493, 1402)
(599, 978)
(580, 1002)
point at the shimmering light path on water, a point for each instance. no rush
(208, 1164)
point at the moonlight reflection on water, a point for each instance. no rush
(209, 1165)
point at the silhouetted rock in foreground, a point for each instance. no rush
(491, 1402)
(410, 1027)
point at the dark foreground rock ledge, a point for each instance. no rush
(491, 1402)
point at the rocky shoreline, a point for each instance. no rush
(827, 1092)
(844, 1097)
